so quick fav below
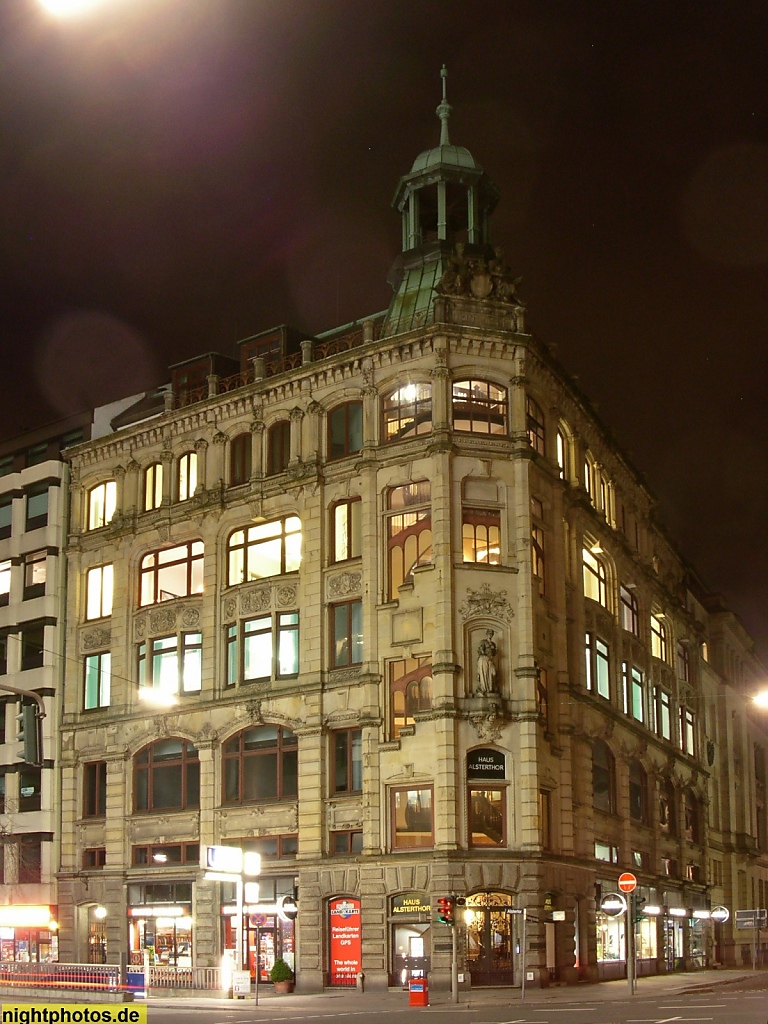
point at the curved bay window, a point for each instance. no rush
(479, 407)
(240, 459)
(638, 793)
(278, 447)
(261, 763)
(269, 549)
(410, 691)
(345, 430)
(486, 816)
(166, 776)
(534, 423)
(409, 532)
(603, 778)
(407, 411)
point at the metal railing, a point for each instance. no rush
(198, 978)
(98, 977)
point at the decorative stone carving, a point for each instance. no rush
(140, 627)
(488, 726)
(162, 620)
(486, 602)
(255, 600)
(190, 617)
(479, 275)
(286, 596)
(230, 607)
(345, 583)
(253, 710)
(95, 638)
(486, 663)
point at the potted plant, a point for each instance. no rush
(281, 976)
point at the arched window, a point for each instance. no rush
(691, 805)
(186, 476)
(102, 501)
(638, 793)
(345, 430)
(658, 636)
(595, 577)
(240, 459)
(267, 549)
(407, 411)
(166, 776)
(479, 407)
(278, 447)
(261, 763)
(603, 778)
(410, 690)
(534, 418)
(667, 816)
(590, 478)
(153, 486)
(409, 532)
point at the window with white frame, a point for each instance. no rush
(598, 666)
(662, 703)
(5, 581)
(265, 647)
(595, 577)
(267, 549)
(172, 664)
(687, 730)
(633, 686)
(102, 502)
(186, 476)
(98, 592)
(98, 675)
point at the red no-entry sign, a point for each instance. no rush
(627, 882)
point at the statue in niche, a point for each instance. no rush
(486, 663)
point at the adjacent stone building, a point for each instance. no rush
(389, 607)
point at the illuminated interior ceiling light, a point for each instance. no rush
(651, 910)
(160, 858)
(677, 912)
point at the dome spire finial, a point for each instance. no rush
(444, 109)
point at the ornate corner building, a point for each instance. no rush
(389, 607)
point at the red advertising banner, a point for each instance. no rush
(346, 938)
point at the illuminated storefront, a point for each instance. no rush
(160, 924)
(410, 927)
(28, 934)
(266, 934)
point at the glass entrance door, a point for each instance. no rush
(490, 947)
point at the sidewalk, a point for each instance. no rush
(352, 1001)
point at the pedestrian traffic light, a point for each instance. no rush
(445, 909)
(29, 734)
(640, 902)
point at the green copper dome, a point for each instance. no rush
(445, 156)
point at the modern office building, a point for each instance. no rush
(389, 607)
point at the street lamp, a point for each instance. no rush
(761, 699)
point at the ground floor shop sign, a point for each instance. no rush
(345, 940)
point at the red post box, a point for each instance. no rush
(418, 990)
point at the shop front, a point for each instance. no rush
(490, 938)
(266, 934)
(160, 924)
(28, 934)
(410, 930)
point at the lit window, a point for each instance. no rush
(261, 763)
(598, 666)
(562, 455)
(606, 852)
(534, 425)
(486, 816)
(98, 592)
(269, 549)
(407, 412)
(240, 459)
(595, 579)
(410, 691)
(545, 818)
(590, 478)
(266, 647)
(35, 566)
(5, 581)
(186, 475)
(537, 555)
(409, 532)
(278, 447)
(630, 614)
(346, 531)
(603, 778)
(479, 407)
(634, 691)
(166, 776)
(347, 634)
(663, 715)
(658, 638)
(347, 754)
(98, 672)
(171, 572)
(345, 430)
(172, 664)
(688, 730)
(102, 501)
(481, 536)
(153, 486)
(411, 815)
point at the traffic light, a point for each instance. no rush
(640, 902)
(29, 734)
(445, 909)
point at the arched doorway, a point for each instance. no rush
(490, 945)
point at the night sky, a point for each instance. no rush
(179, 174)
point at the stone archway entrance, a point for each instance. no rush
(490, 946)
